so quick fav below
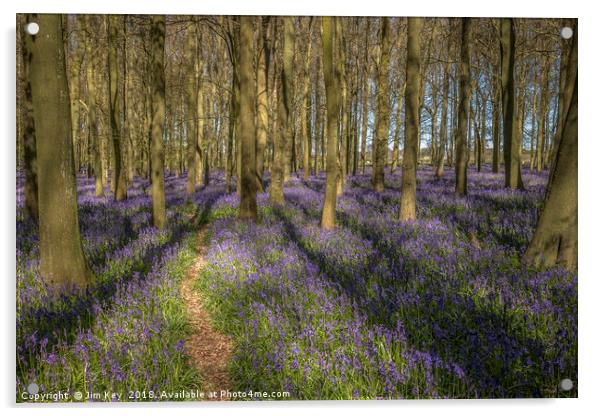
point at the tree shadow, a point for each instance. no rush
(485, 340)
(63, 313)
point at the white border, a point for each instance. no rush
(589, 202)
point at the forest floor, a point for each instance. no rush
(210, 351)
(372, 309)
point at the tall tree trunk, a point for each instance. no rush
(397, 134)
(382, 99)
(340, 59)
(495, 109)
(158, 120)
(407, 206)
(366, 94)
(288, 93)
(262, 101)
(512, 143)
(279, 139)
(306, 107)
(92, 117)
(191, 108)
(439, 172)
(331, 82)
(248, 191)
(29, 133)
(62, 260)
(542, 121)
(555, 238)
(461, 135)
(118, 177)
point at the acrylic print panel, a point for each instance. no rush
(295, 208)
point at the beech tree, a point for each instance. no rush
(464, 109)
(62, 259)
(555, 238)
(512, 138)
(248, 198)
(331, 82)
(158, 120)
(407, 206)
(382, 98)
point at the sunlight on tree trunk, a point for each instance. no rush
(62, 260)
(248, 197)
(158, 120)
(407, 205)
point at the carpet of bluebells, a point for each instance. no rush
(438, 308)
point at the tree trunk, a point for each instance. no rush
(439, 172)
(191, 108)
(542, 121)
(512, 143)
(62, 260)
(248, 191)
(382, 99)
(407, 206)
(306, 107)
(331, 82)
(555, 238)
(158, 120)
(262, 101)
(118, 177)
(495, 109)
(29, 133)
(288, 93)
(92, 117)
(461, 151)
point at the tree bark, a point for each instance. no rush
(439, 172)
(191, 108)
(407, 206)
(248, 191)
(262, 101)
(461, 151)
(118, 177)
(62, 260)
(158, 120)
(288, 94)
(28, 132)
(512, 143)
(555, 238)
(331, 81)
(382, 99)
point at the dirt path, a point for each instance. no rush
(209, 350)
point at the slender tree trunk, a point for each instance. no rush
(288, 94)
(248, 191)
(331, 81)
(118, 177)
(382, 98)
(262, 101)
(397, 134)
(62, 260)
(461, 151)
(191, 108)
(555, 238)
(541, 123)
(158, 120)
(92, 117)
(495, 110)
(29, 132)
(407, 206)
(306, 108)
(279, 139)
(439, 172)
(512, 143)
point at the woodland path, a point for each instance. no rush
(209, 350)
